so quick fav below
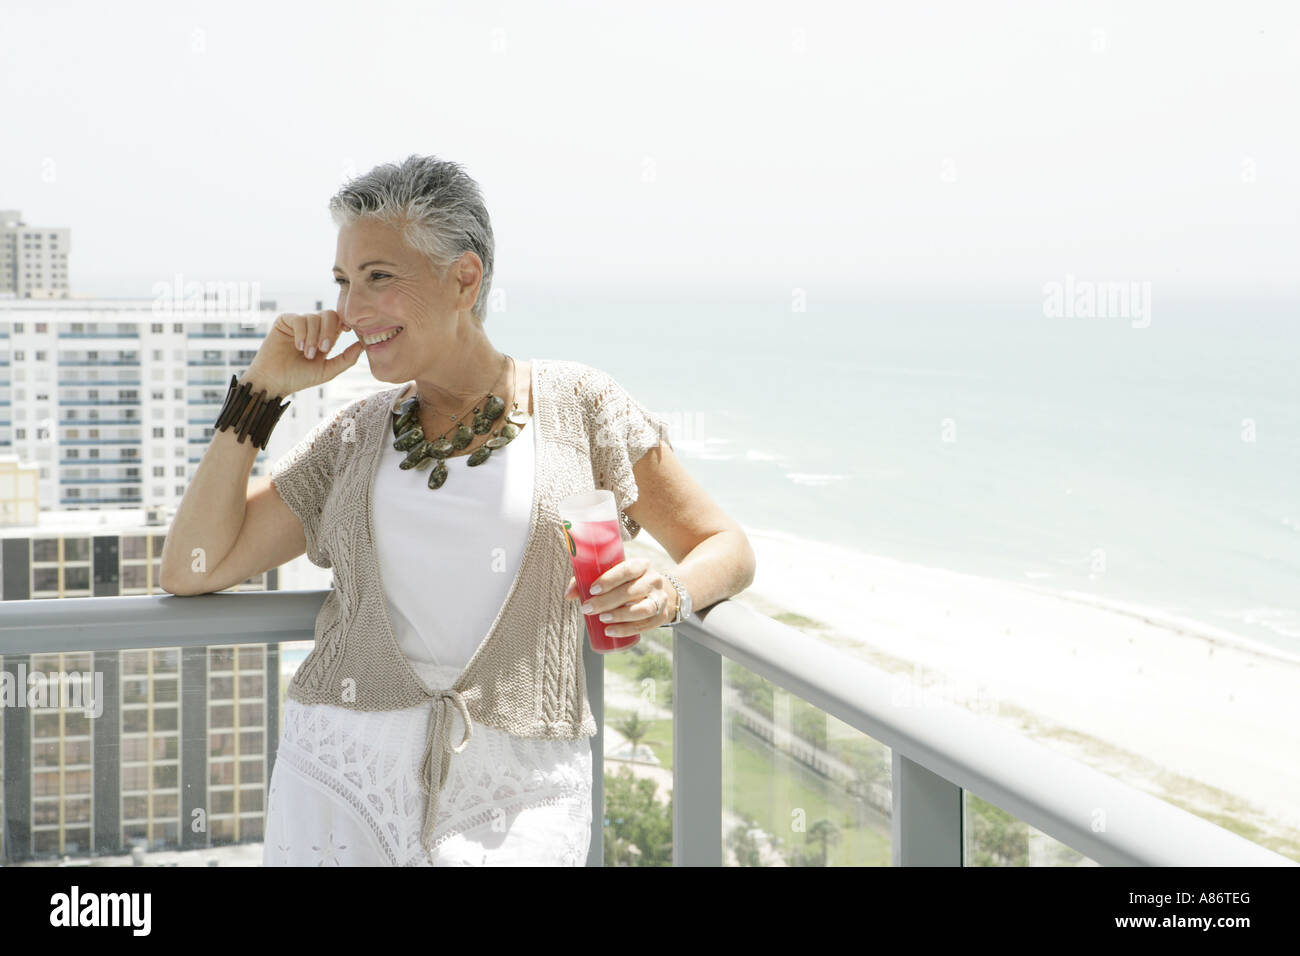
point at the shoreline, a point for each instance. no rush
(1196, 715)
(1149, 614)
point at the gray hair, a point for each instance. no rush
(436, 205)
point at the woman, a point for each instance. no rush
(451, 513)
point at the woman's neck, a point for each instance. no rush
(473, 374)
(514, 386)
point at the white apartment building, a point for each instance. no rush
(114, 400)
(33, 259)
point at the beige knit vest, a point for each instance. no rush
(527, 675)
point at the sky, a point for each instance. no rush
(669, 146)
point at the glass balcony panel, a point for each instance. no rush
(995, 838)
(64, 748)
(800, 788)
(638, 770)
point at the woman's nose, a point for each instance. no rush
(346, 308)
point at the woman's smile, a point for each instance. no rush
(388, 336)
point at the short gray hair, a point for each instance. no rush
(434, 202)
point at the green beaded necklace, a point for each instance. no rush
(422, 451)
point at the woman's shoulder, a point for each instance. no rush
(340, 431)
(370, 408)
(570, 378)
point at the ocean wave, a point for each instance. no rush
(704, 449)
(800, 478)
(1280, 620)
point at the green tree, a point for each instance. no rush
(823, 834)
(754, 690)
(743, 844)
(997, 838)
(634, 729)
(634, 817)
(659, 668)
(808, 722)
(871, 761)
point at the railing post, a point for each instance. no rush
(697, 753)
(926, 816)
(594, 667)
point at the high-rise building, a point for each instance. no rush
(180, 747)
(114, 400)
(33, 259)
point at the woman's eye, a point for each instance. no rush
(377, 275)
(339, 280)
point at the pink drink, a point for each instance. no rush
(594, 548)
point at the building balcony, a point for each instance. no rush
(71, 503)
(98, 383)
(767, 724)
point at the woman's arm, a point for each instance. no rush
(210, 545)
(208, 527)
(713, 555)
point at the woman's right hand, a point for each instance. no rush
(282, 365)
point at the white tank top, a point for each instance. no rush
(448, 557)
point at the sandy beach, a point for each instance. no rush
(1205, 719)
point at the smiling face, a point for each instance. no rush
(384, 285)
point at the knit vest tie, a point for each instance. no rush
(434, 768)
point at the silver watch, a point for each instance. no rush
(683, 600)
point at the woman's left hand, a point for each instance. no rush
(628, 595)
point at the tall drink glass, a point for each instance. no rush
(589, 524)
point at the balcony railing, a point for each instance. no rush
(938, 750)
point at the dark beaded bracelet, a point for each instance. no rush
(252, 415)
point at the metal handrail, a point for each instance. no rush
(939, 749)
(134, 622)
(950, 749)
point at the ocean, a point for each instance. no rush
(1151, 460)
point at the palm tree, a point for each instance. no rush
(634, 729)
(823, 832)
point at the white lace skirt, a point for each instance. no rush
(345, 791)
